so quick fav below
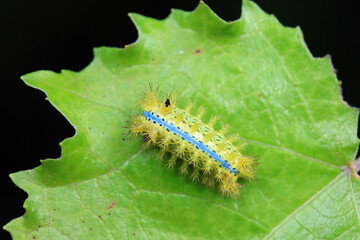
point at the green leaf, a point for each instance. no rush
(254, 74)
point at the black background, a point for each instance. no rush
(55, 35)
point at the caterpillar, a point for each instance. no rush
(209, 154)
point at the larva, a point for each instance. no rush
(214, 157)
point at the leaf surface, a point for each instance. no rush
(254, 74)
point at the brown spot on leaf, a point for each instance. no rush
(112, 204)
(354, 170)
(198, 51)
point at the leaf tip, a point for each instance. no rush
(142, 23)
(25, 78)
(137, 18)
(11, 175)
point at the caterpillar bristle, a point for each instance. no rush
(181, 149)
(173, 97)
(184, 168)
(234, 138)
(229, 186)
(161, 154)
(239, 145)
(218, 176)
(200, 113)
(194, 158)
(231, 156)
(195, 175)
(225, 128)
(172, 160)
(212, 122)
(188, 107)
(164, 141)
(208, 180)
(207, 167)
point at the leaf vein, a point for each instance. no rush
(354, 199)
(290, 216)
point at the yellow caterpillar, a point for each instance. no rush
(214, 157)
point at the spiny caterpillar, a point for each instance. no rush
(211, 154)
